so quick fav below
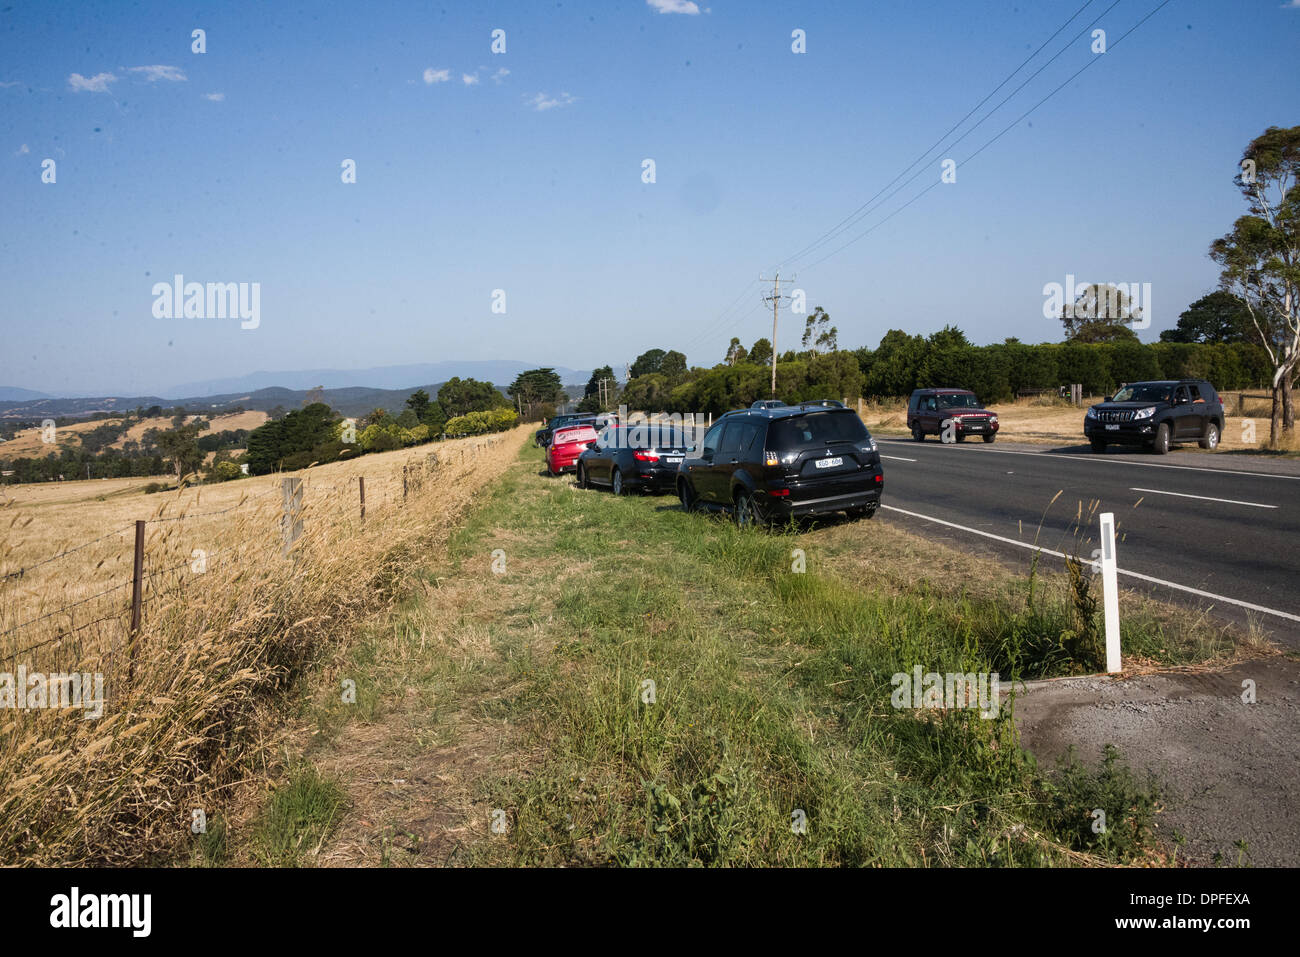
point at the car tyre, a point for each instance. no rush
(917, 434)
(1098, 445)
(582, 477)
(988, 439)
(616, 483)
(686, 496)
(745, 511)
(1211, 438)
(1161, 444)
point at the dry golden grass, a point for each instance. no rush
(215, 648)
(28, 442)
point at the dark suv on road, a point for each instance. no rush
(930, 411)
(767, 465)
(1156, 414)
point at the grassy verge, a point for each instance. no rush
(661, 688)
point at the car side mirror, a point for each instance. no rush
(1107, 399)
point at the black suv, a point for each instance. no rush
(767, 465)
(1154, 414)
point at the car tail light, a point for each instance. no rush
(646, 456)
(879, 478)
(779, 492)
(771, 459)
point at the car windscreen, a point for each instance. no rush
(582, 433)
(1154, 392)
(816, 428)
(958, 401)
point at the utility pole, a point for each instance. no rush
(775, 300)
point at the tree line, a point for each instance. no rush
(1244, 335)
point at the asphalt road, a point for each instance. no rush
(1219, 524)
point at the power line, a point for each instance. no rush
(863, 211)
(991, 141)
(858, 214)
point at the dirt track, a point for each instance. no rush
(1230, 767)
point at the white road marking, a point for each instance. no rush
(1106, 460)
(1204, 498)
(1097, 565)
(897, 458)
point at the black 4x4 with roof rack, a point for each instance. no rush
(1156, 414)
(768, 465)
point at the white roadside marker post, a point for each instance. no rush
(1110, 591)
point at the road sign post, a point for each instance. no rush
(1110, 591)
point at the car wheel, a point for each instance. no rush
(746, 511)
(988, 439)
(616, 482)
(1211, 439)
(686, 496)
(1098, 445)
(917, 434)
(961, 436)
(1161, 445)
(582, 477)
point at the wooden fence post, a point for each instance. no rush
(361, 483)
(137, 594)
(404, 468)
(291, 519)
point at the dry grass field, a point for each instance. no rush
(228, 621)
(28, 443)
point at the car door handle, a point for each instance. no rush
(735, 462)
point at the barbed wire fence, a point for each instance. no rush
(158, 575)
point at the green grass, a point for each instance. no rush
(297, 819)
(771, 698)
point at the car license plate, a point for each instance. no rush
(829, 463)
(1112, 428)
(673, 459)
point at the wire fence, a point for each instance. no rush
(162, 570)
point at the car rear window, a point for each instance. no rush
(816, 428)
(581, 433)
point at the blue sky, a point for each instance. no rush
(522, 171)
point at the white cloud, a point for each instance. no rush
(432, 76)
(95, 84)
(469, 79)
(20, 83)
(1294, 4)
(541, 101)
(214, 97)
(674, 6)
(23, 150)
(160, 72)
(500, 75)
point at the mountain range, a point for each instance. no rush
(350, 392)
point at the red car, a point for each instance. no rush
(566, 445)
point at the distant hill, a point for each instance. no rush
(353, 401)
(13, 394)
(499, 372)
(350, 392)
